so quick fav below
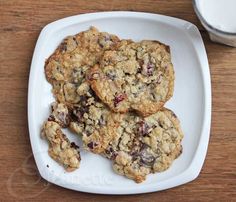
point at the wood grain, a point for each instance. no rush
(20, 24)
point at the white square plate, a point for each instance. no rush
(191, 101)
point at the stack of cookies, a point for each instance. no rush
(112, 93)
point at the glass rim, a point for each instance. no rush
(202, 19)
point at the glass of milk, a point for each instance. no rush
(219, 18)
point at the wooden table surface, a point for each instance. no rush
(20, 24)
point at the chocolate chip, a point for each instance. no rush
(146, 158)
(143, 128)
(73, 145)
(73, 117)
(51, 118)
(111, 153)
(63, 47)
(161, 125)
(91, 145)
(83, 99)
(135, 155)
(139, 70)
(173, 114)
(92, 94)
(150, 69)
(78, 113)
(74, 38)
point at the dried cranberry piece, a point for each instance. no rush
(150, 69)
(118, 99)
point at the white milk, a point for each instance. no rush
(220, 14)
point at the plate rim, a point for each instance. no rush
(195, 166)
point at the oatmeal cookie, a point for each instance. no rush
(65, 69)
(136, 76)
(89, 118)
(145, 145)
(60, 148)
(93, 120)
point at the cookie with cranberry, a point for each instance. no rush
(66, 68)
(66, 71)
(145, 145)
(93, 120)
(90, 118)
(135, 76)
(61, 149)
